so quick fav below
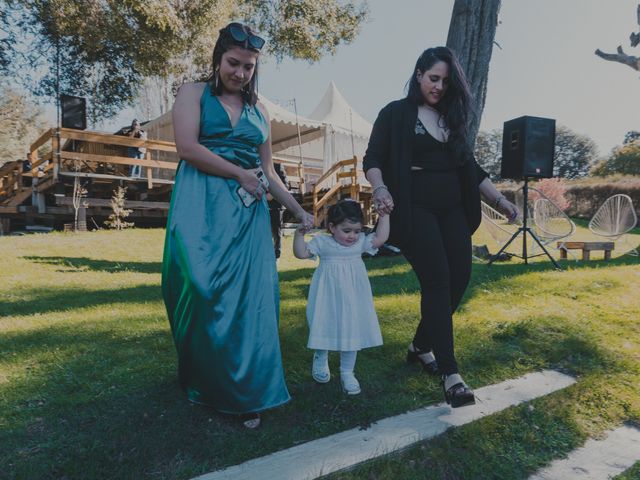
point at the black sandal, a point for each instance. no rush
(458, 395)
(250, 421)
(414, 356)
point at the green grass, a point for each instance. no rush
(88, 384)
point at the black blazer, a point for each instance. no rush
(390, 150)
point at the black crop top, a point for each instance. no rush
(429, 153)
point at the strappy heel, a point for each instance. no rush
(458, 394)
(413, 356)
(251, 421)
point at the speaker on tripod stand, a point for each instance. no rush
(528, 145)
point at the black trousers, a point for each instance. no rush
(439, 252)
(275, 216)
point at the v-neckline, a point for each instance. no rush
(233, 127)
(430, 133)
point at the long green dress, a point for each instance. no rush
(219, 278)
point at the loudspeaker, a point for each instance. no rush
(528, 145)
(74, 112)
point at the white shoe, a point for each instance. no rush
(320, 369)
(350, 384)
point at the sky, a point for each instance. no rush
(544, 66)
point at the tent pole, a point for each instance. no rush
(300, 174)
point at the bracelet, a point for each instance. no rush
(383, 186)
(498, 200)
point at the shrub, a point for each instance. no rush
(116, 220)
(554, 189)
(623, 160)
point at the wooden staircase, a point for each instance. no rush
(339, 182)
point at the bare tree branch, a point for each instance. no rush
(620, 57)
(635, 37)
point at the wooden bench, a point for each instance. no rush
(587, 248)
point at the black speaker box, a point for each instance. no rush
(74, 112)
(528, 145)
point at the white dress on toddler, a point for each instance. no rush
(340, 310)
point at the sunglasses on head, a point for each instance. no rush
(239, 34)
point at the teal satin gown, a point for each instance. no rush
(219, 278)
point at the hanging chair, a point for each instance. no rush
(615, 217)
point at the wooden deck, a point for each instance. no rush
(98, 162)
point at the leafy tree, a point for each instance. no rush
(488, 152)
(631, 136)
(575, 154)
(624, 160)
(20, 124)
(106, 49)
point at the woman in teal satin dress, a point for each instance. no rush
(219, 278)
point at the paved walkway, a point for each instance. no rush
(347, 449)
(597, 459)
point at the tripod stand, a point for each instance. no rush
(524, 229)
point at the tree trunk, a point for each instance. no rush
(471, 36)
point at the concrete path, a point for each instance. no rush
(347, 449)
(597, 459)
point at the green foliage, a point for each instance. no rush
(106, 49)
(305, 29)
(488, 152)
(624, 160)
(116, 220)
(631, 136)
(575, 154)
(20, 124)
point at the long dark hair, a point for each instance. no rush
(224, 43)
(345, 210)
(455, 107)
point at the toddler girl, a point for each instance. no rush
(340, 308)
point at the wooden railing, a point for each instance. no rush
(10, 178)
(340, 170)
(59, 161)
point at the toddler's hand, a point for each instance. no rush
(302, 228)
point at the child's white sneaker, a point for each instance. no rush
(350, 384)
(320, 369)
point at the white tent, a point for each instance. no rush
(346, 133)
(333, 132)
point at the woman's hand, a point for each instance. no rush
(382, 201)
(249, 181)
(509, 209)
(306, 221)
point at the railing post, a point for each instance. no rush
(147, 157)
(315, 202)
(55, 153)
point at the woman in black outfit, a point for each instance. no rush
(422, 170)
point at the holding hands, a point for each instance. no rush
(306, 222)
(382, 200)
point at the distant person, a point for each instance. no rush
(219, 278)
(135, 131)
(340, 310)
(275, 212)
(423, 173)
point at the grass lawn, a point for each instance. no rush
(88, 384)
